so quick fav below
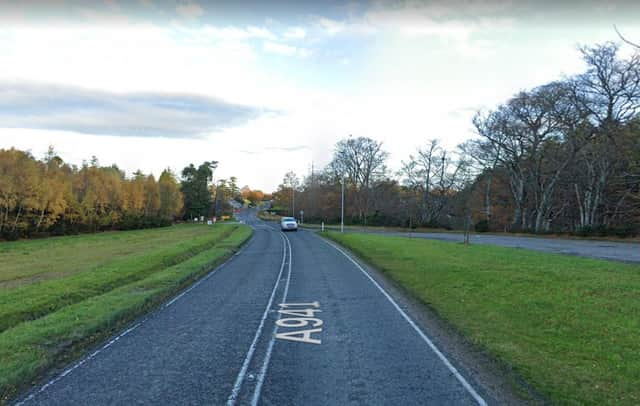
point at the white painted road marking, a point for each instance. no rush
(424, 337)
(78, 364)
(293, 322)
(313, 304)
(252, 348)
(303, 336)
(304, 317)
(267, 357)
(300, 313)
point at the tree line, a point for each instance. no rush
(42, 197)
(204, 197)
(51, 197)
(561, 157)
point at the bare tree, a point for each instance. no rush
(291, 181)
(609, 93)
(534, 137)
(633, 44)
(483, 159)
(434, 174)
(362, 161)
(501, 135)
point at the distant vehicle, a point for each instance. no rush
(288, 224)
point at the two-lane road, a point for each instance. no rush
(290, 320)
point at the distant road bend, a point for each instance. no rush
(290, 320)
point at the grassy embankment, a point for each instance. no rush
(569, 326)
(60, 295)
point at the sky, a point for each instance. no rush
(267, 87)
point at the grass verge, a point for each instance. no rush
(34, 300)
(569, 326)
(30, 348)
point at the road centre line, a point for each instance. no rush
(424, 337)
(235, 392)
(267, 358)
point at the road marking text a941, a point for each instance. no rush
(300, 315)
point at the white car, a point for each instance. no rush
(288, 224)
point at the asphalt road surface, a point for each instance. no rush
(615, 251)
(290, 320)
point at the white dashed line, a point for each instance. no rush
(78, 364)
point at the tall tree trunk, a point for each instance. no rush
(15, 223)
(5, 219)
(519, 221)
(487, 199)
(40, 219)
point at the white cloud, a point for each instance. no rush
(286, 50)
(69, 108)
(137, 57)
(295, 33)
(230, 33)
(189, 10)
(280, 49)
(331, 27)
(259, 32)
(304, 52)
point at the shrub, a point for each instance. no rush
(482, 226)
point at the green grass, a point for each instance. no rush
(569, 326)
(25, 262)
(29, 348)
(33, 300)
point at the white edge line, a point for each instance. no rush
(235, 392)
(426, 339)
(267, 358)
(124, 333)
(78, 364)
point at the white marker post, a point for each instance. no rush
(342, 207)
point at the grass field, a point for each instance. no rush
(569, 326)
(26, 262)
(50, 312)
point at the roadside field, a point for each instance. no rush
(25, 262)
(569, 326)
(109, 269)
(48, 322)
